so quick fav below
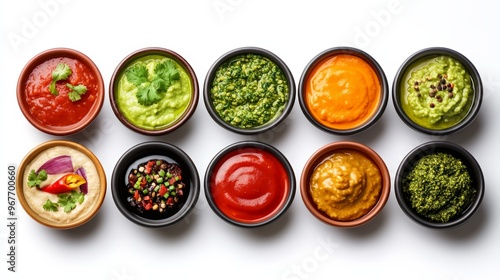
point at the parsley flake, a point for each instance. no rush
(35, 179)
(61, 72)
(150, 90)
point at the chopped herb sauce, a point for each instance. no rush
(249, 91)
(439, 187)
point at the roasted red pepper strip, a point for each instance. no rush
(66, 183)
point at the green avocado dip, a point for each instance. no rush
(153, 92)
(439, 187)
(249, 91)
(438, 93)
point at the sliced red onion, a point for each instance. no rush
(84, 187)
(57, 165)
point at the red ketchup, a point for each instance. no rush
(249, 185)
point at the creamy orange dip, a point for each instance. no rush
(346, 185)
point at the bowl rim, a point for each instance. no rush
(373, 64)
(430, 148)
(318, 156)
(261, 146)
(432, 52)
(186, 115)
(32, 154)
(258, 51)
(42, 57)
(138, 151)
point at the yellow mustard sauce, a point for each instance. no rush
(346, 185)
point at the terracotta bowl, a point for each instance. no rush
(402, 76)
(83, 212)
(162, 129)
(458, 152)
(30, 113)
(209, 82)
(325, 152)
(141, 153)
(371, 119)
(229, 174)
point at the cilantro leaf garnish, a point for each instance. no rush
(150, 90)
(76, 92)
(61, 72)
(35, 179)
(68, 201)
(51, 206)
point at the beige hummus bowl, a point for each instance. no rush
(32, 199)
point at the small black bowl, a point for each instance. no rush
(240, 176)
(430, 148)
(142, 153)
(320, 58)
(231, 55)
(401, 77)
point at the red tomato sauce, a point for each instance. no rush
(60, 110)
(249, 185)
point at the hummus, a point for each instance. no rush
(346, 185)
(37, 198)
(438, 93)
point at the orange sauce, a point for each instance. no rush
(343, 92)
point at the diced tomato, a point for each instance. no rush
(171, 181)
(170, 201)
(148, 167)
(146, 198)
(147, 204)
(163, 190)
(136, 195)
(143, 182)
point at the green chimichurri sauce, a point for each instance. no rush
(439, 187)
(249, 91)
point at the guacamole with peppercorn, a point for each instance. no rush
(439, 187)
(438, 92)
(249, 91)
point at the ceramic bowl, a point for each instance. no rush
(155, 150)
(338, 58)
(38, 104)
(230, 57)
(32, 199)
(326, 152)
(441, 127)
(249, 184)
(432, 147)
(171, 110)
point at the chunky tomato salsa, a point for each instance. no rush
(64, 99)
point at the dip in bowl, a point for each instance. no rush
(437, 91)
(61, 184)
(345, 184)
(439, 185)
(343, 91)
(155, 184)
(249, 90)
(153, 91)
(249, 184)
(60, 91)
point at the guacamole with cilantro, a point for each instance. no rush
(153, 92)
(438, 92)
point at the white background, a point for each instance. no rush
(297, 246)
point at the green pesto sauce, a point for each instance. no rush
(163, 113)
(438, 92)
(249, 91)
(439, 187)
